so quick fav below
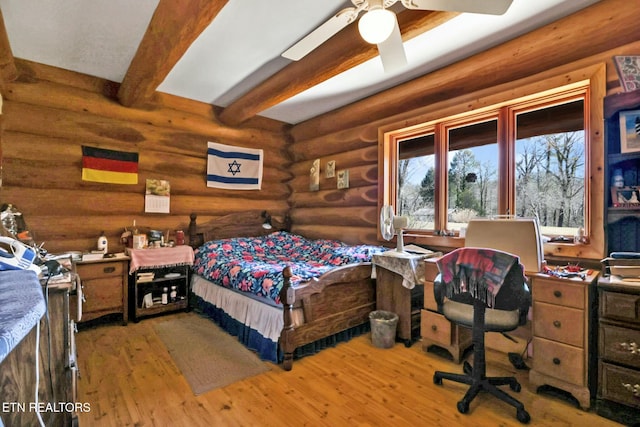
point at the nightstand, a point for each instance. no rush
(104, 288)
(400, 289)
(159, 278)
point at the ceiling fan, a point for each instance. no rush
(379, 25)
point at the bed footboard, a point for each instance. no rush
(336, 301)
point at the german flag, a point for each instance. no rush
(109, 166)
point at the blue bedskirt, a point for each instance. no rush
(264, 347)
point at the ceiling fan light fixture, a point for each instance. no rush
(376, 25)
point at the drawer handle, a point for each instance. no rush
(557, 294)
(434, 328)
(557, 323)
(634, 389)
(556, 361)
(631, 347)
(108, 270)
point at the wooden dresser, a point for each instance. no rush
(618, 395)
(563, 335)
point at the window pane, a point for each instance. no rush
(416, 182)
(473, 173)
(550, 167)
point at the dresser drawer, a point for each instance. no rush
(558, 323)
(435, 327)
(620, 345)
(620, 384)
(100, 270)
(614, 305)
(555, 292)
(558, 360)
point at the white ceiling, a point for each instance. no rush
(242, 46)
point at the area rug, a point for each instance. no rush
(207, 356)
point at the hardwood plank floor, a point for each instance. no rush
(129, 379)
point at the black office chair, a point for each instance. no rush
(469, 278)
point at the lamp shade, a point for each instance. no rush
(376, 25)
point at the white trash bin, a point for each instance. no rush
(383, 328)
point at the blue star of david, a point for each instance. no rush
(234, 168)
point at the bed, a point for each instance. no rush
(282, 295)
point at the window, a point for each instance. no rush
(550, 167)
(530, 156)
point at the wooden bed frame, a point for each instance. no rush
(338, 300)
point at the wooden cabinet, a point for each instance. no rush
(622, 212)
(104, 288)
(436, 331)
(563, 335)
(393, 296)
(618, 394)
(152, 283)
(57, 368)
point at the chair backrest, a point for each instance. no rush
(518, 236)
(483, 271)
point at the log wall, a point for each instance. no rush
(50, 113)
(349, 135)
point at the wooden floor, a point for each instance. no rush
(129, 379)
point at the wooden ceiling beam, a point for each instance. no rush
(173, 28)
(8, 70)
(343, 51)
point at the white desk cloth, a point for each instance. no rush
(409, 266)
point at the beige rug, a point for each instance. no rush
(207, 356)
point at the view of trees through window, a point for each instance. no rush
(549, 177)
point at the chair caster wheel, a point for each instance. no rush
(437, 380)
(463, 407)
(515, 387)
(522, 415)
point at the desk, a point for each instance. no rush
(399, 289)
(561, 332)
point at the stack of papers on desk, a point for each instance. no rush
(92, 256)
(619, 280)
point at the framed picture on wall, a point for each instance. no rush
(630, 131)
(628, 68)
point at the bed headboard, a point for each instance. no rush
(243, 224)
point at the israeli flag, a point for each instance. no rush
(234, 168)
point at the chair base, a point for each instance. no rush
(486, 384)
(476, 376)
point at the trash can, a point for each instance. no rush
(383, 328)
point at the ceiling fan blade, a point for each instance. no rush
(392, 51)
(321, 34)
(490, 7)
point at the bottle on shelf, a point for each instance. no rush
(165, 295)
(173, 296)
(103, 243)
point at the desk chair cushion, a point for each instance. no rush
(494, 320)
(512, 293)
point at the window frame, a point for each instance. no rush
(504, 104)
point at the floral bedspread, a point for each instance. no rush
(255, 264)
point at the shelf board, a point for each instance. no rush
(161, 308)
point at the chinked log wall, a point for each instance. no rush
(349, 135)
(50, 113)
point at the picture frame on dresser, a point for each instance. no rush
(630, 131)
